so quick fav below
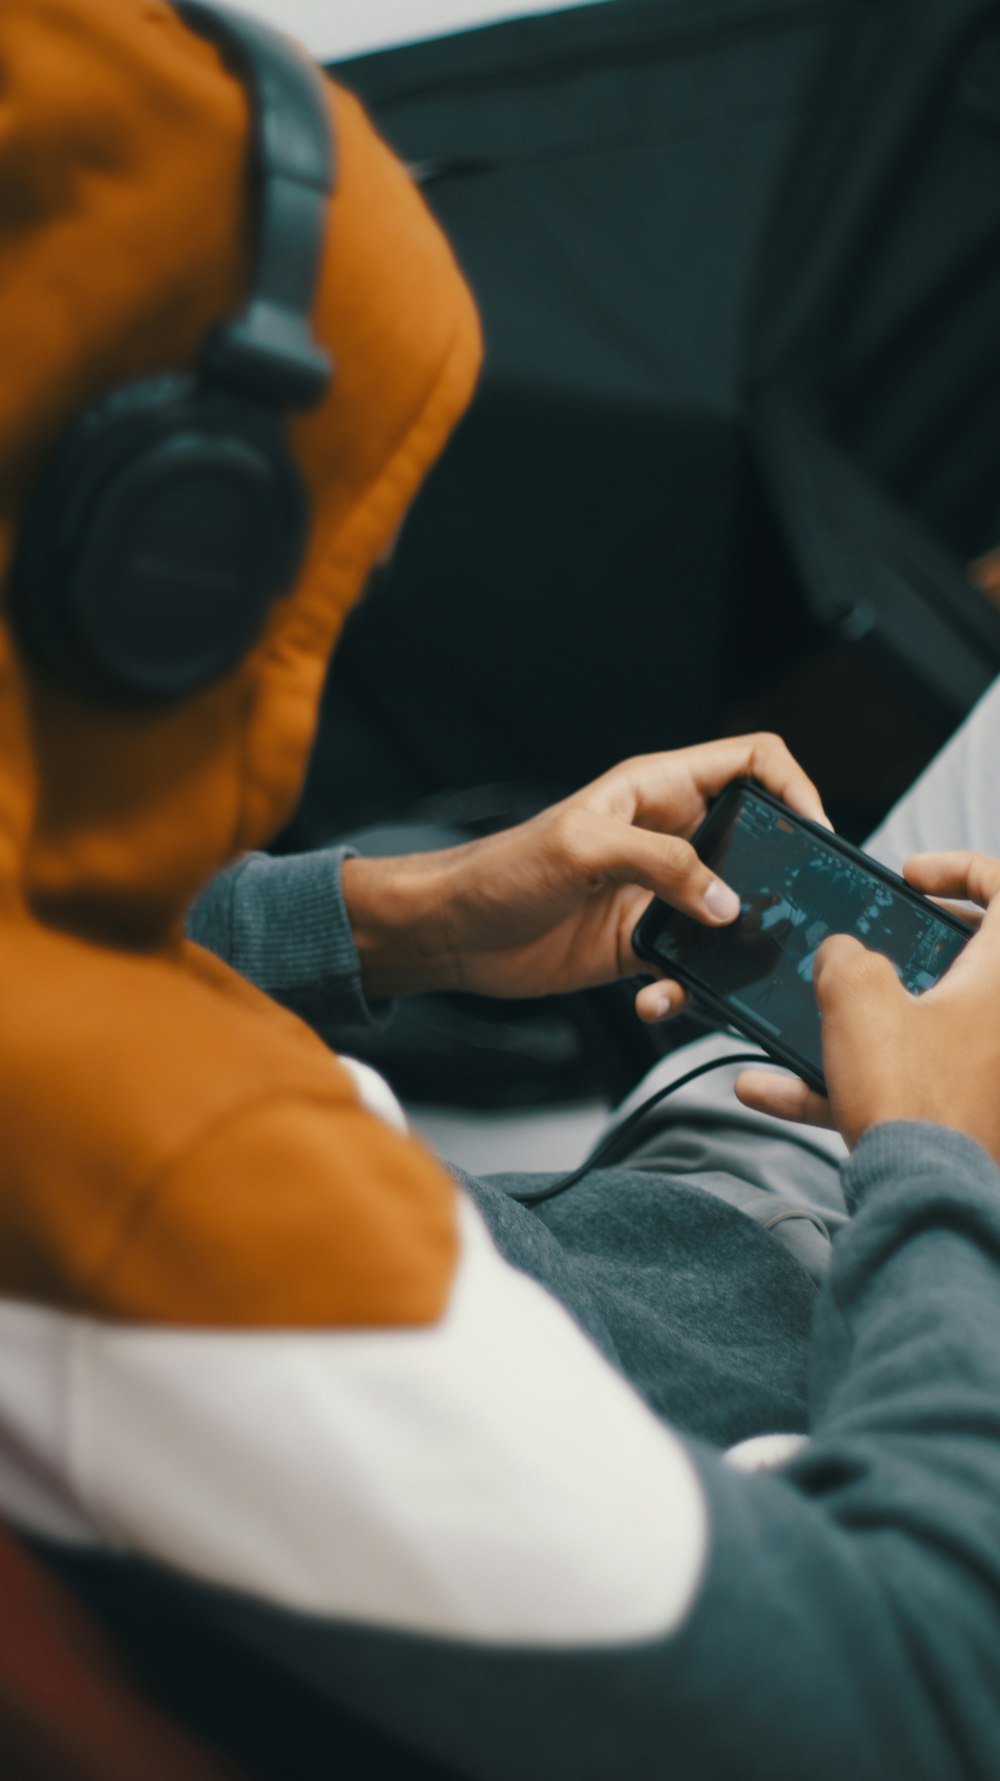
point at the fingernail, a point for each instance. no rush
(721, 902)
(663, 1005)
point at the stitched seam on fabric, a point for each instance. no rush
(359, 525)
(787, 1212)
(528, 68)
(558, 153)
(364, 518)
(145, 1196)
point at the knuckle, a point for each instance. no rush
(679, 859)
(769, 742)
(627, 771)
(846, 970)
(865, 972)
(570, 832)
(583, 845)
(964, 867)
(861, 970)
(983, 877)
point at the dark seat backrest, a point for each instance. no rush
(68, 1709)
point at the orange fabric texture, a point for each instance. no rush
(135, 1072)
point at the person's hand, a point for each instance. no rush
(551, 905)
(890, 1055)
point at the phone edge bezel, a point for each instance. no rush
(715, 1004)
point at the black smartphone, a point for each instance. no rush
(796, 883)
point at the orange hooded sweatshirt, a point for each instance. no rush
(250, 1331)
(136, 1069)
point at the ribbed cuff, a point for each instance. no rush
(283, 924)
(911, 1150)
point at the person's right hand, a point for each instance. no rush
(890, 1055)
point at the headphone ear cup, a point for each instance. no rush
(157, 541)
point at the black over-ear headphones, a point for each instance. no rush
(173, 514)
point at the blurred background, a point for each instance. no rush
(732, 463)
(732, 454)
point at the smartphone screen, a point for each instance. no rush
(796, 885)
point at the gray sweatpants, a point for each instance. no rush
(766, 1166)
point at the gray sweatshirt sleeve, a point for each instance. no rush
(282, 923)
(847, 1623)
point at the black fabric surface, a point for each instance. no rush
(588, 573)
(738, 269)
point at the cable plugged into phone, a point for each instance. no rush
(797, 883)
(609, 1148)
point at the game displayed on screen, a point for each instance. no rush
(794, 891)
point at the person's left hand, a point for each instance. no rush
(551, 905)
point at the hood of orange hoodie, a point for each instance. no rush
(125, 232)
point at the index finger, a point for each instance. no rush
(976, 877)
(764, 757)
(972, 876)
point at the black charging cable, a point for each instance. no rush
(608, 1150)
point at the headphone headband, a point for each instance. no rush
(267, 352)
